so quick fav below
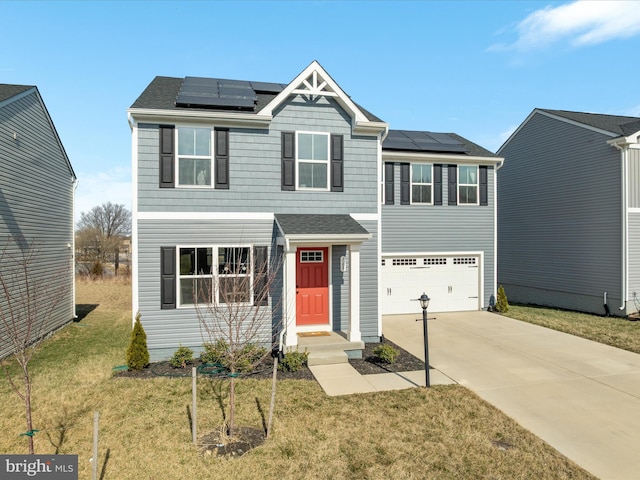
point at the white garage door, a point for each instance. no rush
(452, 283)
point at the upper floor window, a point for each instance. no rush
(467, 185)
(195, 160)
(312, 160)
(421, 183)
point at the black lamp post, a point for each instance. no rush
(424, 303)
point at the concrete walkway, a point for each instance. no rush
(343, 379)
(581, 397)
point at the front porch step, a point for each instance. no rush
(327, 358)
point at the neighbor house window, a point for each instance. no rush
(194, 156)
(312, 160)
(421, 184)
(467, 185)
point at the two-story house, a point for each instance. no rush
(569, 215)
(227, 173)
(37, 185)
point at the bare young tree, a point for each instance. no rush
(237, 312)
(29, 298)
(100, 231)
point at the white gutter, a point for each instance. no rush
(224, 119)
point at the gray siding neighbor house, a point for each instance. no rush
(37, 186)
(228, 172)
(569, 214)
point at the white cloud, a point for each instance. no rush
(580, 23)
(97, 188)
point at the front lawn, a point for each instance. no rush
(445, 432)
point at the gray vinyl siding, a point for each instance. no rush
(559, 217)
(369, 262)
(254, 169)
(634, 178)
(634, 263)
(166, 329)
(36, 201)
(443, 228)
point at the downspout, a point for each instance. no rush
(625, 224)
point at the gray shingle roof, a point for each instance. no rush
(311, 224)
(618, 124)
(161, 94)
(7, 90)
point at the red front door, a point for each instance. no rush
(312, 286)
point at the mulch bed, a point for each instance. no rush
(367, 365)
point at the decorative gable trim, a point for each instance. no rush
(315, 82)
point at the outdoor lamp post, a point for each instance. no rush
(424, 303)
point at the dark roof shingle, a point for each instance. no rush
(7, 90)
(617, 124)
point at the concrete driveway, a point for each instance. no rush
(581, 397)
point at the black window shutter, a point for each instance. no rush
(167, 152)
(437, 184)
(260, 276)
(484, 197)
(453, 185)
(288, 161)
(405, 184)
(222, 158)
(337, 163)
(167, 277)
(389, 189)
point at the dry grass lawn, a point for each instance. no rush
(614, 331)
(439, 433)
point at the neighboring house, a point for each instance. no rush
(569, 214)
(227, 172)
(37, 186)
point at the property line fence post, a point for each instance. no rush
(94, 465)
(194, 432)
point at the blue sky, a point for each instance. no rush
(475, 68)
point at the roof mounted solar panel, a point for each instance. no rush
(216, 93)
(416, 141)
(266, 87)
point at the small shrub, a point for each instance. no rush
(215, 352)
(246, 356)
(182, 357)
(137, 352)
(386, 353)
(97, 270)
(293, 361)
(502, 304)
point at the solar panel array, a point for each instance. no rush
(219, 93)
(408, 140)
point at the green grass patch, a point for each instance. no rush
(614, 331)
(445, 432)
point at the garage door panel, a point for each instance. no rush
(451, 282)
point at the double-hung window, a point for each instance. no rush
(467, 185)
(195, 275)
(312, 160)
(421, 183)
(223, 272)
(195, 162)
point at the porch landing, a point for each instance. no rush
(329, 349)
